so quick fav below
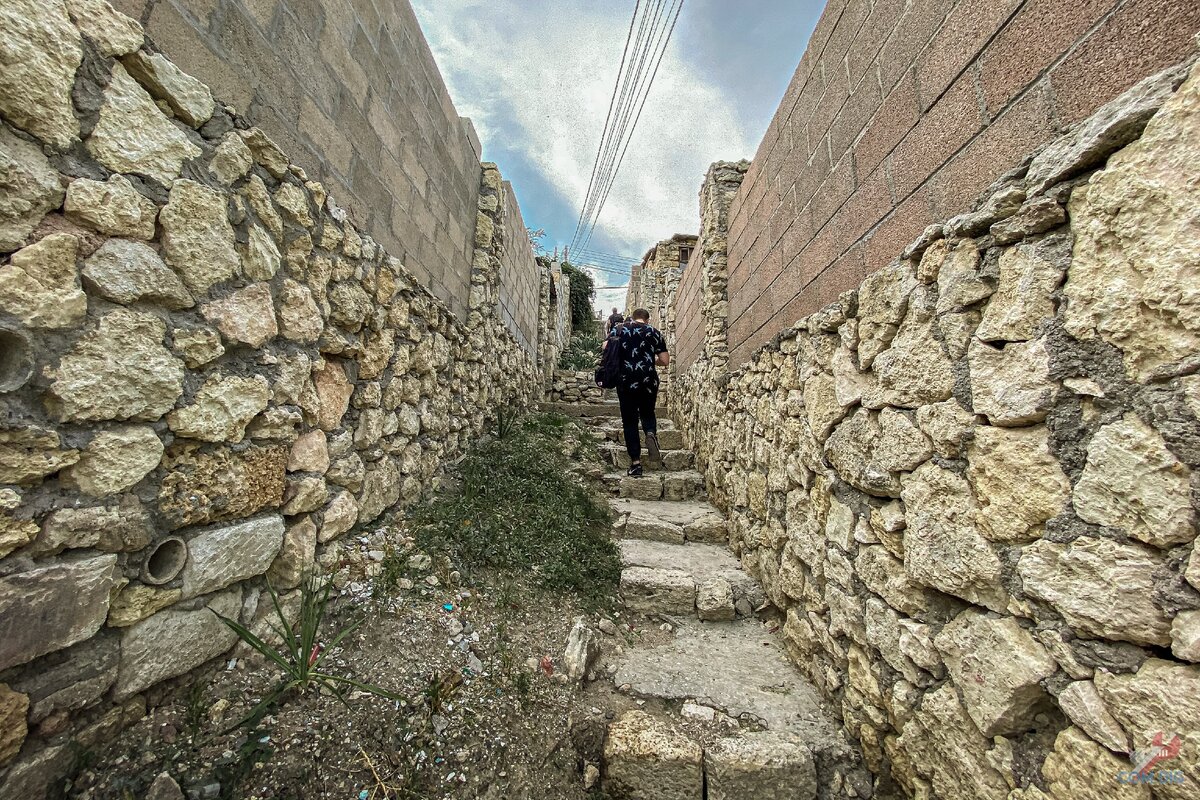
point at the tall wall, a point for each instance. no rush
(972, 482)
(900, 113)
(520, 275)
(209, 375)
(350, 90)
(656, 276)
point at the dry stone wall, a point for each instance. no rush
(208, 376)
(972, 482)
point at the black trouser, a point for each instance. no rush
(637, 404)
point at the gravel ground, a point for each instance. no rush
(487, 714)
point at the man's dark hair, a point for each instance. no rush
(615, 311)
(641, 313)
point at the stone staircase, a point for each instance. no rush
(724, 714)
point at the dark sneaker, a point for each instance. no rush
(652, 448)
(635, 471)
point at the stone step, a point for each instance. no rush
(739, 669)
(670, 460)
(675, 522)
(609, 408)
(649, 757)
(686, 579)
(685, 485)
(668, 437)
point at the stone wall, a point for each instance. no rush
(349, 89)
(575, 386)
(972, 482)
(900, 113)
(208, 376)
(655, 278)
(554, 314)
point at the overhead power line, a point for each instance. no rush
(640, 60)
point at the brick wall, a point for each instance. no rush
(520, 276)
(351, 90)
(899, 114)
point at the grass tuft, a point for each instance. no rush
(520, 509)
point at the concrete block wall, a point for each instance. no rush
(520, 276)
(899, 113)
(350, 89)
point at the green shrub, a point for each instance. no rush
(583, 293)
(582, 352)
(520, 509)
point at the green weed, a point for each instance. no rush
(520, 510)
(582, 351)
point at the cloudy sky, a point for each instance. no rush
(536, 76)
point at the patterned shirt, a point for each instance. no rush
(640, 344)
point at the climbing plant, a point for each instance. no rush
(583, 292)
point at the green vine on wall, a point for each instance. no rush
(583, 292)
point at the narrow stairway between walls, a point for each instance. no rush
(766, 732)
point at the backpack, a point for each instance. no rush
(608, 374)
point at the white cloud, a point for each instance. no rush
(538, 77)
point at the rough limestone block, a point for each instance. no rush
(647, 487)
(645, 757)
(714, 600)
(115, 460)
(119, 371)
(767, 765)
(1161, 696)
(1083, 705)
(197, 238)
(39, 74)
(643, 526)
(69, 602)
(221, 409)
(581, 651)
(220, 556)
(13, 727)
(126, 272)
(649, 591)
(245, 317)
(998, 666)
(132, 134)
(113, 207)
(188, 98)
(173, 642)
(1018, 482)
(1132, 482)
(1011, 386)
(40, 284)
(1134, 227)
(709, 528)
(76, 680)
(1103, 588)
(29, 188)
(1083, 770)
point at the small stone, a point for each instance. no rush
(119, 371)
(1036, 216)
(111, 207)
(40, 284)
(29, 188)
(232, 159)
(1083, 770)
(942, 546)
(188, 98)
(198, 346)
(714, 600)
(1132, 482)
(305, 494)
(946, 424)
(123, 527)
(646, 757)
(339, 516)
(115, 460)
(914, 371)
(133, 136)
(333, 391)
(1101, 587)
(607, 626)
(294, 202)
(221, 409)
(127, 272)
(581, 650)
(164, 787)
(266, 153)
(882, 304)
(13, 728)
(43, 52)
(959, 282)
(1029, 275)
(649, 591)
(197, 239)
(29, 454)
(310, 453)
(1185, 635)
(245, 317)
(1011, 386)
(300, 318)
(296, 556)
(137, 601)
